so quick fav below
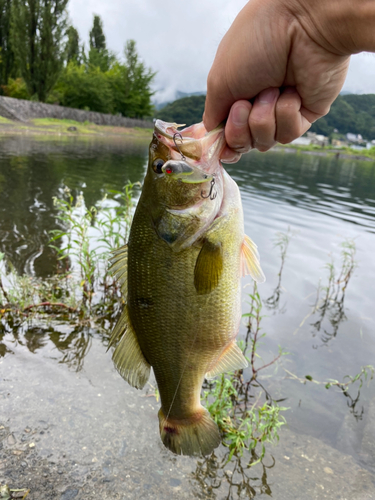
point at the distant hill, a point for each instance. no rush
(187, 110)
(349, 113)
(178, 95)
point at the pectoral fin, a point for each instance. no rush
(208, 268)
(250, 261)
(128, 357)
(231, 359)
(119, 267)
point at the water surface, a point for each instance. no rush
(60, 383)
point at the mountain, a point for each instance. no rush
(187, 110)
(349, 113)
(177, 95)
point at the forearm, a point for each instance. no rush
(344, 27)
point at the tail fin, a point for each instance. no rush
(198, 435)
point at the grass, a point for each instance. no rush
(53, 126)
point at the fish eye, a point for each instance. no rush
(158, 163)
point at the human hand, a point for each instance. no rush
(281, 55)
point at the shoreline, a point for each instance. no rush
(52, 127)
(342, 154)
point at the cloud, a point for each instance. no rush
(361, 74)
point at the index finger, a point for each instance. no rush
(219, 100)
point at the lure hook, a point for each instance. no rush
(210, 195)
(179, 136)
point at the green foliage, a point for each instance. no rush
(7, 63)
(242, 429)
(84, 88)
(16, 88)
(96, 81)
(97, 37)
(99, 56)
(37, 32)
(123, 89)
(131, 85)
(188, 110)
(73, 50)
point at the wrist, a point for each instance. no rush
(344, 27)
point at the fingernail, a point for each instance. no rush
(240, 115)
(268, 96)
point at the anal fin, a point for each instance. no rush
(128, 357)
(231, 359)
(250, 261)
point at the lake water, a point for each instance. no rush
(86, 434)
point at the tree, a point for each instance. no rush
(99, 55)
(37, 32)
(84, 87)
(73, 50)
(136, 101)
(97, 37)
(7, 63)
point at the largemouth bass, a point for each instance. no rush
(180, 275)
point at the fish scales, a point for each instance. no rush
(185, 257)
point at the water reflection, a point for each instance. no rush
(71, 342)
(342, 189)
(32, 172)
(329, 304)
(234, 479)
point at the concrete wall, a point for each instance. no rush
(21, 110)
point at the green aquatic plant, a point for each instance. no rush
(243, 427)
(281, 242)
(88, 235)
(244, 411)
(82, 289)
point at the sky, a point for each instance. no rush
(179, 39)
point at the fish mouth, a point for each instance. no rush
(193, 145)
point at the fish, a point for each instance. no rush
(180, 277)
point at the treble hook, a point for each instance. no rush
(210, 195)
(177, 134)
